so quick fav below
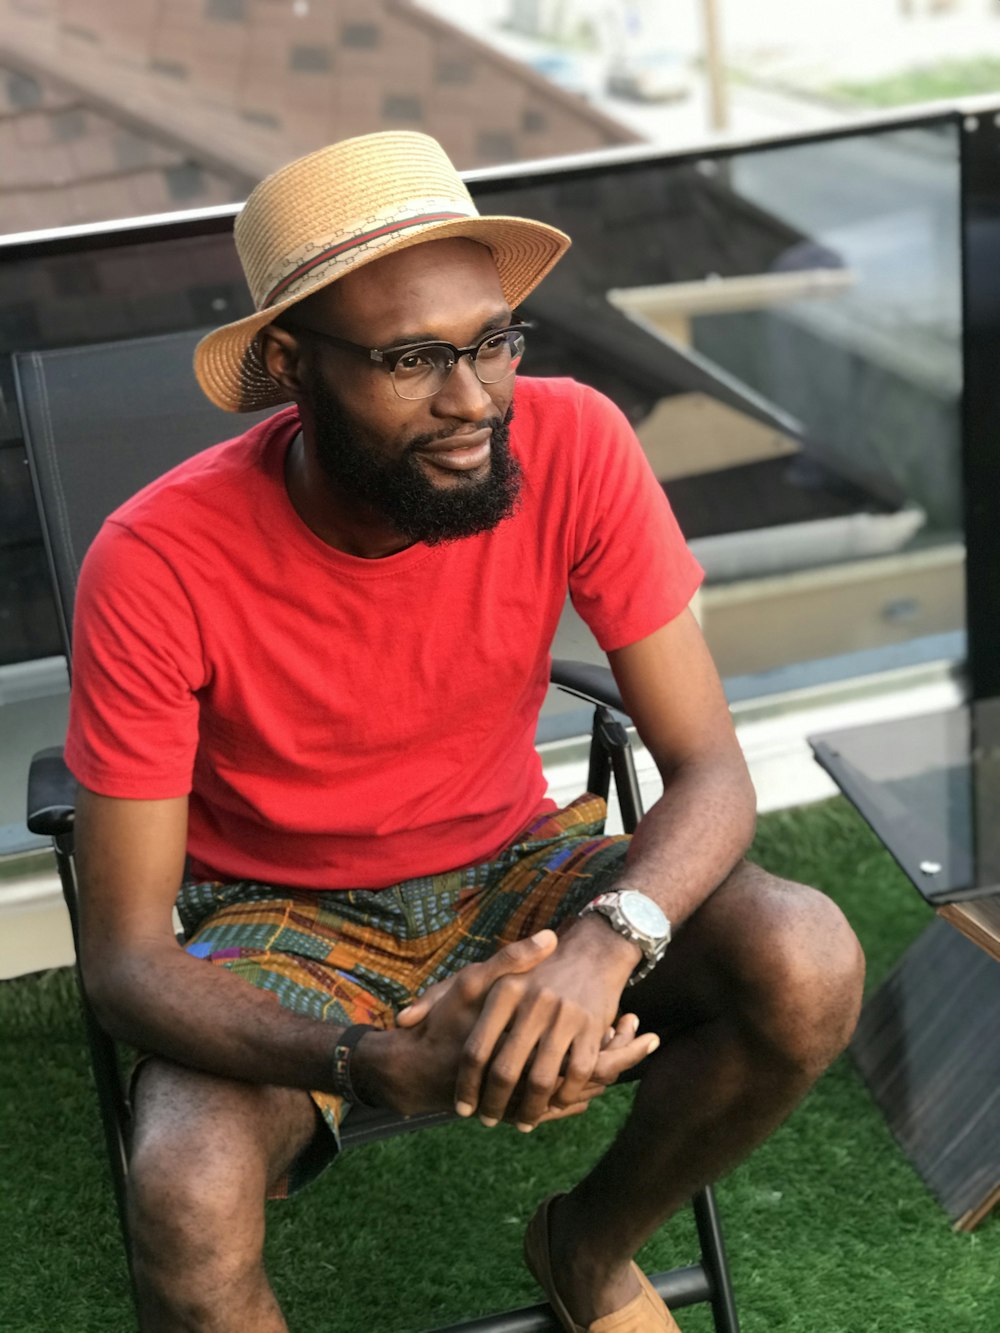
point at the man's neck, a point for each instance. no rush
(346, 524)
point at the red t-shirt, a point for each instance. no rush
(342, 722)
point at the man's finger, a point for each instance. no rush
(561, 1112)
(491, 1031)
(577, 1064)
(623, 1031)
(475, 981)
(423, 1004)
(613, 1061)
(520, 956)
(498, 1009)
(526, 1073)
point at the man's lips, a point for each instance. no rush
(459, 453)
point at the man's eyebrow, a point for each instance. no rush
(498, 321)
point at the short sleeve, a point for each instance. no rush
(137, 664)
(631, 570)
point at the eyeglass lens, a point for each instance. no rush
(422, 371)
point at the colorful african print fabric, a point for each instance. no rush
(359, 955)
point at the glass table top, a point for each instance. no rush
(929, 786)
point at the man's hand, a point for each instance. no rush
(411, 1069)
(414, 1068)
(540, 1046)
(620, 1050)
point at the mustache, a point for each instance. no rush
(419, 442)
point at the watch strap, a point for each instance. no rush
(343, 1052)
(606, 904)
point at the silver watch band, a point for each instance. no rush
(652, 935)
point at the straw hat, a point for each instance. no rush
(334, 210)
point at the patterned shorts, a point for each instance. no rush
(359, 956)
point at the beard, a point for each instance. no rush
(398, 488)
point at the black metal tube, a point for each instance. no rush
(713, 1257)
(677, 1288)
(599, 770)
(615, 741)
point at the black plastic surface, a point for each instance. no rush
(51, 794)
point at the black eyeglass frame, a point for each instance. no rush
(391, 356)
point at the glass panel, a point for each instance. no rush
(783, 327)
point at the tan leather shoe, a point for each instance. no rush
(645, 1314)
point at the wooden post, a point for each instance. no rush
(715, 70)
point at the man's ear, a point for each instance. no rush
(281, 353)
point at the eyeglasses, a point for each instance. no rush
(420, 370)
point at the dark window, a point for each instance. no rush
(453, 71)
(362, 36)
(257, 117)
(23, 91)
(172, 68)
(76, 30)
(496, 146)
(185, 181)
(229, 11)
(309, 59)
(533, 122)
(397, 107)
(70, 123)
(132, 151)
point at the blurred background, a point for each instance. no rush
(112, 108)
(766, 276)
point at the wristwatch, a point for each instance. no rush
(639, 919)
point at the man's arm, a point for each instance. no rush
(145, 988)
(148, 991)
(693, 836)
(684, 847)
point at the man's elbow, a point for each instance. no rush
(745, 804)
(116, 980)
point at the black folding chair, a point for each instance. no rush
(99, 423)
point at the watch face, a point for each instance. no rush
(643, 915)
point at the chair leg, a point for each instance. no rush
(104, 1061)
(715, 1262)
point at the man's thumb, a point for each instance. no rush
(523, 955)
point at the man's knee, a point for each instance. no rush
(196, 1215)
(799, 969)
(204, 1153)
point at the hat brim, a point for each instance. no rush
(226, 361)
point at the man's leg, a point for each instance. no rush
(756, 996)
(204, 1154)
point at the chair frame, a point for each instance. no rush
(51, 813)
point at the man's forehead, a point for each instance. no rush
(421, 280)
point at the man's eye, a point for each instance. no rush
(495, 346)
(416, 363)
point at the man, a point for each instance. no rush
(307, 673)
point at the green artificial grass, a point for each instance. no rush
(930, 83)
(829, 1230)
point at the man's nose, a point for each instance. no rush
(463, 394)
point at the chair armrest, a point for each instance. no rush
(51, 794)
(595, 684)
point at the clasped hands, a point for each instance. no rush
(527, 1036)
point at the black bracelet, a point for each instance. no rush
(341, 1063)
